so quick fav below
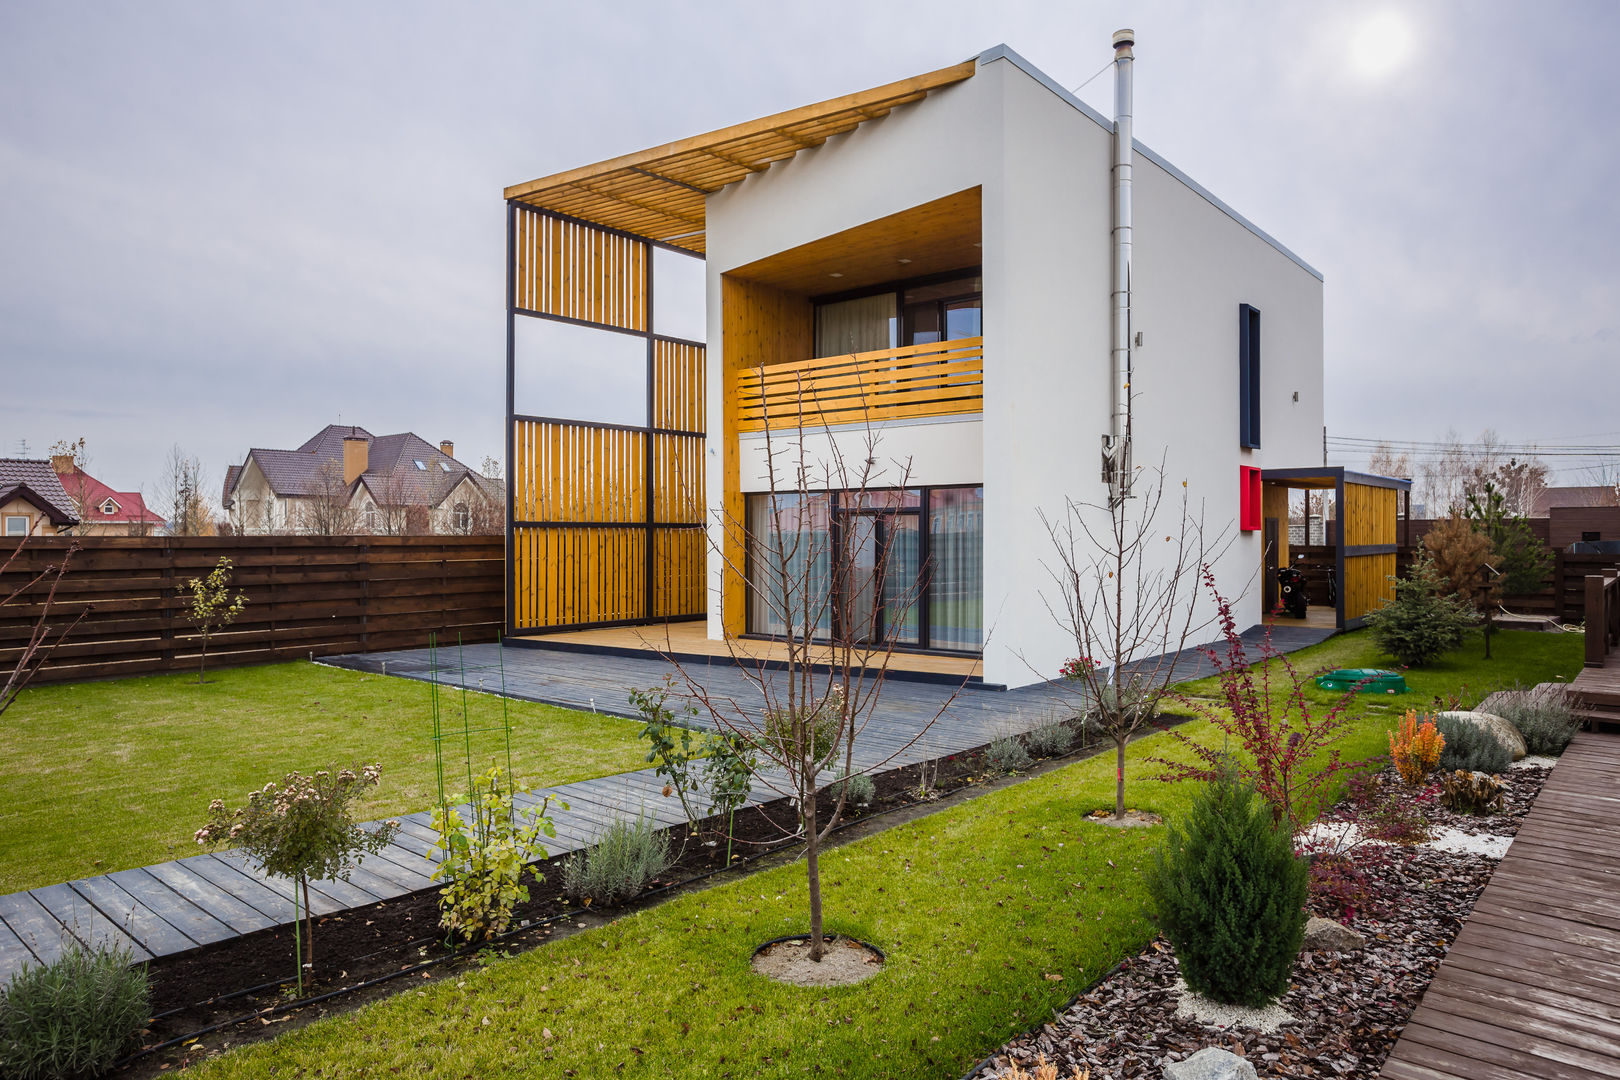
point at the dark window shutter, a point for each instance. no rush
(1248, 376)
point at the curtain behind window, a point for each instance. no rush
(801, 527)
(956, 554)
(864, 324)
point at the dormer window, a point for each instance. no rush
(109, 507)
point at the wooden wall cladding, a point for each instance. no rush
(572, 577)
(577, 473)
(680, 569)
(678, 385)
(1370, 514)
(307, 596)
(567, 269)
(1367, 585)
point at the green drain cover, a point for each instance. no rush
(1372, 680)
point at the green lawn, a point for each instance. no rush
(101, 776)
(1520, 656)
(977, 906)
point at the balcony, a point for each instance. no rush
(943, 378)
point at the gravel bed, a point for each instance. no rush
(1349, 1008)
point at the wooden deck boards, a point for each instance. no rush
(181, 905)
(1530, 990)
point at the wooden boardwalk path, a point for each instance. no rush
(176, 906)
(1531, 987)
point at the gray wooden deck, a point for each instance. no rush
(176, 906)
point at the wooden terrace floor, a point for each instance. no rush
(1530, 990)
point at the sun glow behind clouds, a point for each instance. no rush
(1381, 45)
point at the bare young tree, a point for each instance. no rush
(392, 498)
(182, 495)
(1520, 483)
(1384, 461)
(327, 510)
(76, 482)
(1129, 591)
(837, 630)
(37, 589)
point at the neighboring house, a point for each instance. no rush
(101, 510)
(32, 501)
(1587, 495)
(933, 260)
(346, 480)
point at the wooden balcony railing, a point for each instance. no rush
(938, 379)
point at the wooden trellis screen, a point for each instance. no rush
(606, 520)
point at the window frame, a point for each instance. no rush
(1249, 371)
(898, 289)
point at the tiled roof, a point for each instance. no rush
(391, 476)
(1590, 495)
(90, 494)
(232, 475)
(37, 482)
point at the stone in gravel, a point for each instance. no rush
(1505, 733)
(1211, 1063)
(1325, 935)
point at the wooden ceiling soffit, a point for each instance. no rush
(659, 193)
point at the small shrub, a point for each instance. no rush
(1470, 747)
(1470, 792)
(302, 831)
(627, 857)
(1546, 724)
(210, 607)
(1422, 622)
(1050, 740)
(728, 770)
(484, 858)
(675, 747)
(1229, 893)
(1415, 748)
(72, 1017)
(1006, 755)
(862, 789)
(816, 722)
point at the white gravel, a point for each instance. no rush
(1339, 836)
(1213, 1014)
(1534, 761)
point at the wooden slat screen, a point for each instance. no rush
(938, 379)
(578, 473)
(678, 386)
(307, 595)
(566, 269)
(573, 577)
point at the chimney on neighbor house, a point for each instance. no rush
(1117, 443)
(62, 464)
(447, 448)
(356, 457)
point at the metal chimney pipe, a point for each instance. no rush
(1117, 443)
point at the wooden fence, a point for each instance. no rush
(307, 596)
(1564, 596)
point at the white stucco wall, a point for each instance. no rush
(902, 455)
(1044, 167)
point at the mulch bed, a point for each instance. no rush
(243, 985)
(1350, 1007)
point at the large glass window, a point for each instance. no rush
(956, 568)
(900, 567)
(790, 563)
(865, 324)
(901, 314)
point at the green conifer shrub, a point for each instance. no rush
(1422, 622)
(1229, 893)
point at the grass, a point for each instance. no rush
(102, 776)
(1517, 656)
(980, 908)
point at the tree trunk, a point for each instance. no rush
(202, 663)
(1119, 777)
(309, 930)
(812, 862)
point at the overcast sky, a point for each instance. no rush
(226, 225)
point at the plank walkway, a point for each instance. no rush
(175, 906)
(1531, 987)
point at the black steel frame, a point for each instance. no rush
(648, 525)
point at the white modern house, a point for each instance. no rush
(970, 267)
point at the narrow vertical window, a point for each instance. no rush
(1248, 376)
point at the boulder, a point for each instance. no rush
(1325, 935)
(1211, 1063)
(1505, 733)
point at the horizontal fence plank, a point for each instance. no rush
(307, 596)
